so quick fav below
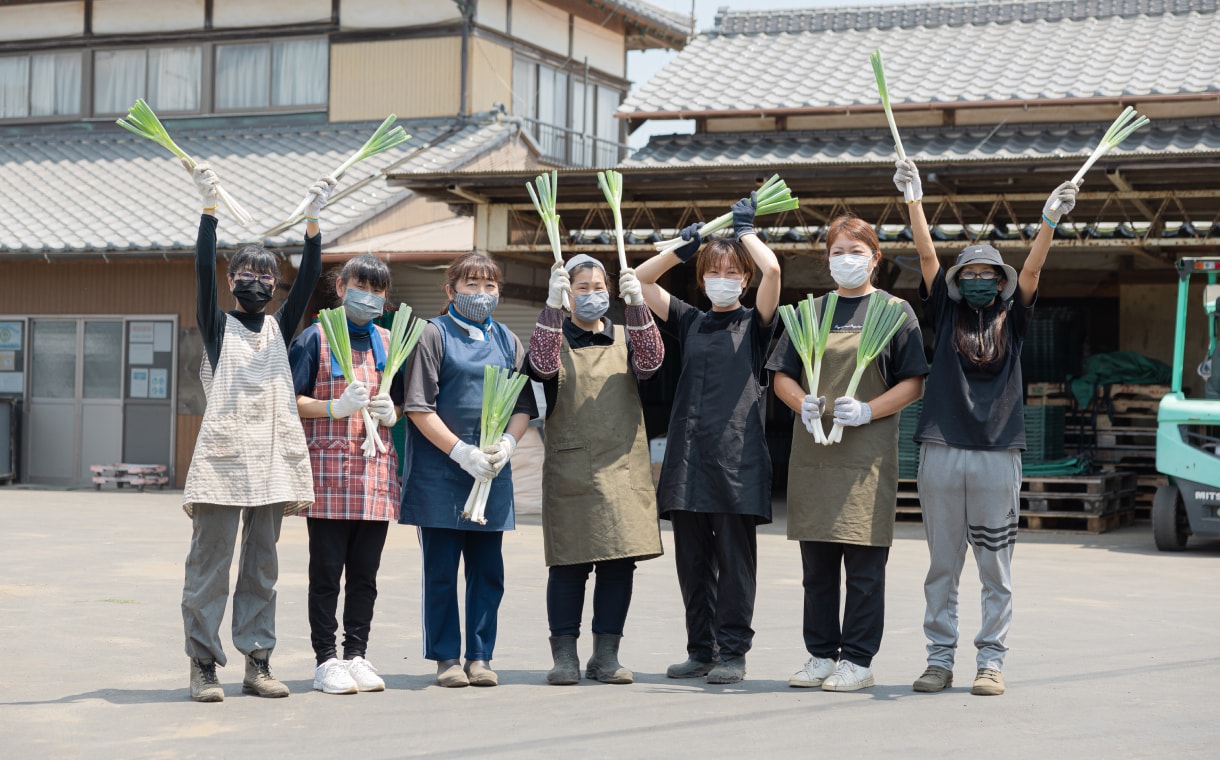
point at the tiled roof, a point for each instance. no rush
(1026, 142)
(109, 191)
(956, 54)
(664, 22)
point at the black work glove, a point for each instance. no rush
(743, 215)
(689, 233)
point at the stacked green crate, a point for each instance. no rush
(908, 449)
(1044, 428)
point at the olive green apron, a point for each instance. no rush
(846, 492)
(598, 501)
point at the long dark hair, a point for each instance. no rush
(981, 335)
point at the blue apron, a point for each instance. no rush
(434, 487)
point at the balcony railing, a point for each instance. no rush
(565, 146)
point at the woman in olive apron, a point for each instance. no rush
(716, 478)
(598, 503)
(842, 497)
(443, 401)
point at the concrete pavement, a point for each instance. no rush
(1113, 654)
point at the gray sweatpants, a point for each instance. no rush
(206, 590)
(969, 498)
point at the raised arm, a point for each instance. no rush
(907, 175)
(547, 337)
(1031, 270)
(655, 296)
(297, 302)
(647, 348)
(765, 261)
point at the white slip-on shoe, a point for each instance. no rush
(848, 676)
(332, 677)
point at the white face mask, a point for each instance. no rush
(850, 270)
(722, 291)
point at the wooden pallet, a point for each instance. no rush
(1077, 521)
(121, 475)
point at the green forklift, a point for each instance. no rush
(1187, 449)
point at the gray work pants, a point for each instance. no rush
(206, 590)
(969, 498)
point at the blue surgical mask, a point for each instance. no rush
(590, 307)
(361, 306)
(477, 307)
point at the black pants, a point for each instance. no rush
(336, 547)
(859, 638)
(565, 596)
(717, 559)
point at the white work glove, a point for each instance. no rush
(811, 411)
(501, 452)
(907, 176)
(852, 413)
(206, 182)
(320, 191)
(559, 286)
(473, 460)
(629, 288)
(382, 409)
(355, 397)
(1061, 202)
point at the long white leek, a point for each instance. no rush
(611, 183)
(808, 335)
(881, 323)
(883, 90)
(334, 324)
(1127, 122)
(772, 197)
(500, 390)
(544, 202)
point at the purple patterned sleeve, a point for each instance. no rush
(545, 342)
(647, 349)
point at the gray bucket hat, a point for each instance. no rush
(981, 254)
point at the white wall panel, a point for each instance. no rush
(238, 13)
(380, 14)
(544, 25)
(493, 14)
(605, 49)
(127, 16)
(35, 22)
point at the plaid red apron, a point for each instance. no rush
(347, 486)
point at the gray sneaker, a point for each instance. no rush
(729, 670)
(934, 679)
(258, 680)
(205, 686)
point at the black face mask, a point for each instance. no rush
(253, 296)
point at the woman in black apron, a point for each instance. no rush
(716, 478)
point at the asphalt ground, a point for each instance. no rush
(1115, 652)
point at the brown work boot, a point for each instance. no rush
(480, 674)
(449, 674)
(205, 687)
(258, 678)
(934, 679)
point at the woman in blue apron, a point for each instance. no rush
(972, 431)
(715, 483)
(443, 402)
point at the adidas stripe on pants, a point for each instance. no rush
(969, 498)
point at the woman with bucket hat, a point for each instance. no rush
(972, 431)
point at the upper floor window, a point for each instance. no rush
(271, 74)
(43, 84)
(573, 114)
(169, 78)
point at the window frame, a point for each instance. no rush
(85, 93)
(578, 75)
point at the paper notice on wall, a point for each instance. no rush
(10, 336)
(141, 332)
(163, 336)
(12, 382)
(158, 383)
(8, 361)
(140, 353)
(139, 383)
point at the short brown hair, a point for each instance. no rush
(473, 264)
(720, 249)
(853, 227)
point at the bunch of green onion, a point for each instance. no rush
(405, 332)
(881, 323)
(808, 335)
(879, 74)
(544, 203)
(772, 197)
(334, 324)
(142, 122)
(611, 183)
(382, 140)
(501, 386)
(1127, 122)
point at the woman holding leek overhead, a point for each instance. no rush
(842, 496)
(598, 503)
(972, 431)
(250, 465)
(355, 496)
(716, 479)
(444, 403)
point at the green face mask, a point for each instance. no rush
(978, 293)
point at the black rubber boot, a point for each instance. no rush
(567, 663)
(603, 665)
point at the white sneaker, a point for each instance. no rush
(331, 677)
(365, 675)
(814, 673)
(848, 676)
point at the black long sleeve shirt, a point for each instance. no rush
(212, 320)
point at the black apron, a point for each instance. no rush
(716, 458)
